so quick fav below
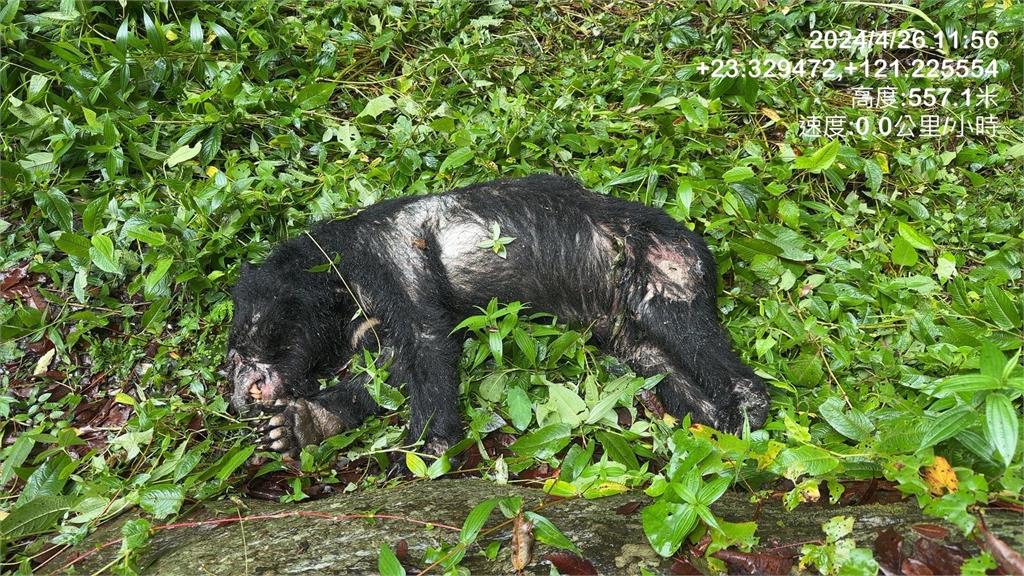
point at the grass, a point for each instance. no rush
(148, 150)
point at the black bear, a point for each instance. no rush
(406, 271)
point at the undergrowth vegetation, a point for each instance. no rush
(149, 148)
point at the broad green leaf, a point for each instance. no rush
(713, 490)
(161, 500)
(48, 479)
(525, 344)
(225, 38)
(520, 410)
(903, 254)
(544, 442)
(666, 524)
(233, 459)
(546, 533)
(820, 160)
(416, 465)
(55, 205)
(35, 516)
(134, 534)
(387, 562)
(850, 423)
(1002, 426)
(314, 95)
(74, 245)
(795, 462)
(183, 154)
(457, 158)
(915, 238)
(377, 106)
(738, 174)
(195, 34)
(946, 425)
(154, 33)
(16, 456)
(157, 274)
(144, 234)
(476, 519)
(567, 404)
(872, 175)
(103, 255)
(963, 383)
(1001, 308)
(618, 449)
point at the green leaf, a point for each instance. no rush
(903, 254)
(16, 456)
(567, 404)
(820, 160)
(416, 465)
(55, 206)
(476, 519)
(618, 449)
(1002, 426)
(144, 234)
(853, 423)
(526, 345)
(544, 442)
(195, 34)
(1002, 309)
(713, 490)
(74, 245)
(964, 383)
(233, 459)
(457, 158)
(915, 238)
(48, 479)
(872, 175)
(520, 411)
(157, 274)
(807, 459)
(35, 516)
(738, 174)
(183, 154)
(103, 255)
(314, 95)
(666, 524)
(377, 106)
(161, 500)
(387, 562)
(134, 534)
(225, 38)
(546, 532)
(155, 34)
(946, 425)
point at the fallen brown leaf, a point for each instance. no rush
(888, 551)
(522, 543)
(1009, 560)
(571, 564)
(754, 563)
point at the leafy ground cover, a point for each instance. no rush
(150, 148)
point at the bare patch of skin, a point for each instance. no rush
(366, 326)
(675, 276)
(300, 423)
(254, 382)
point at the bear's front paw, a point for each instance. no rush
(294, 424)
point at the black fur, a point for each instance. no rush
(644, 283)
